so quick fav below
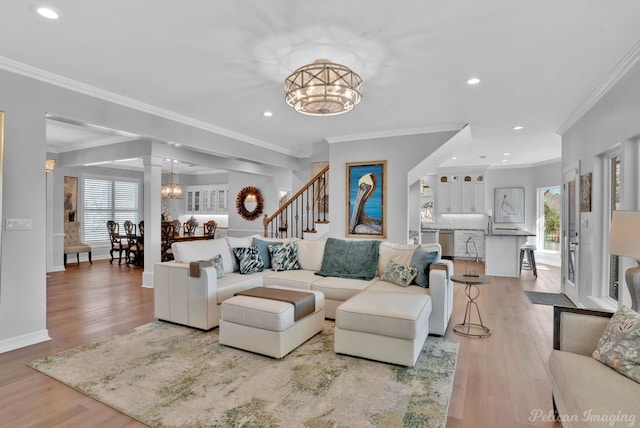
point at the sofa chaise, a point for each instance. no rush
(195, 300)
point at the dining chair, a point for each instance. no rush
(166, 239)
(210, 229)
(117, 243)
(177, 225)
(190, 227)
(73, 242)
(135, 245)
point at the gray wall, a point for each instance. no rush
(402, 155)
(26, 101)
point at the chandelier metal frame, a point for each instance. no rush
(323, 88)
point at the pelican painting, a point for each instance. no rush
(366, 201)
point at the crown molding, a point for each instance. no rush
(619, 71)
(397, 133)
(73, 85)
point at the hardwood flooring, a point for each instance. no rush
(499, 380)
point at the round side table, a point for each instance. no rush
(468, 328)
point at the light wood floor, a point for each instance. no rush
(499, 380)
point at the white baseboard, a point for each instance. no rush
(24, 340)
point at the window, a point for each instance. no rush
(108, 199)
(613, 198)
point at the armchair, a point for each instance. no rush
(73, 243)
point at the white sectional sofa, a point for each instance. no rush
(195, 301)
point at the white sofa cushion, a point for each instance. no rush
(298, 279)
(234, 282)
(340, 289)
(191, 251)
(310, 254)
(385, 313)
(399, 253)
(586, 384)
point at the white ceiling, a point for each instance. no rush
(223, 63)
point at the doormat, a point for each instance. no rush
(551, 299)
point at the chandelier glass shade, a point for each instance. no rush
(323, 89)
(172, 189)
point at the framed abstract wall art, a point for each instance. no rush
(509, 205)
(366, 199)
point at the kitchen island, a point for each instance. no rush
(502, 251)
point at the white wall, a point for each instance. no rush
(402, 154)
(26, 101)
(613, 120)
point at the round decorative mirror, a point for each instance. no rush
(249, 203)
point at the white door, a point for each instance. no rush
(570, 239)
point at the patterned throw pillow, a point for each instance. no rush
(216, 262)
(619, 344)
(249, 259)
(398, 274)
(284, 257)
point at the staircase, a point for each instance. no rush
(305, 214)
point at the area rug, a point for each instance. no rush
(551, 299)
(166, 375)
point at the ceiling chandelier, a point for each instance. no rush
(323, 89)
(171, 190)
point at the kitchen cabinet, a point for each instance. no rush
(207, 199)
(448, 197)
(461, 194)
(472, 192)
(463, 244)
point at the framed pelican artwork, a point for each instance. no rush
(509, 205)
(366, 199)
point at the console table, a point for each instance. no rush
(467, 327)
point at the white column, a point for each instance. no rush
(152, 213)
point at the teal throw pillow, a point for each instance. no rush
(284, 257)
(421, 260)
(263, 247)
(398, 274)
(249, 259)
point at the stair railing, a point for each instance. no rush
(301, 213)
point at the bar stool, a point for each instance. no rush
(530, 263)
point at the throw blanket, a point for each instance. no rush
(350, 259)
(303, 303)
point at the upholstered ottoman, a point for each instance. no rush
(268, 326)
(383, 326)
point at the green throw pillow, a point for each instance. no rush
(249, 259)
(284, 257)
(398, 274)
(619, 344)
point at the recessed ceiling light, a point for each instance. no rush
(473, 81)
(454, 158)
(267, 114)
(506, 154)
(504, 160)
(518, 127)
(47, 13)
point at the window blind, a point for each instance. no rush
(107, 199)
